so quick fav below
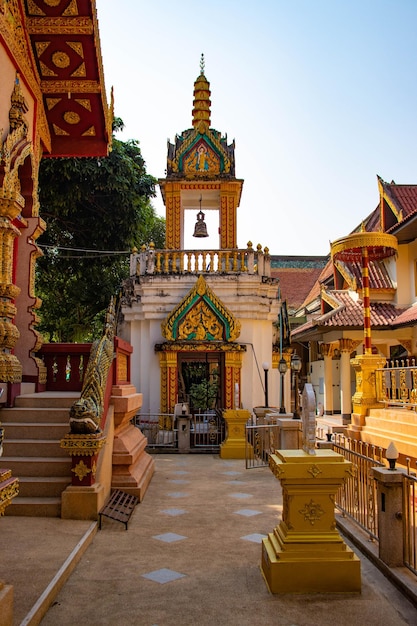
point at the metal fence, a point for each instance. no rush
(261, 441)
(206, 430)
(357, 498)
(158, 429)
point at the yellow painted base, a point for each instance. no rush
(6, 604)
(234, 446)
(305, 553)
(82, 502)
(321, 570)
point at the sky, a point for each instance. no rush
(320, 97)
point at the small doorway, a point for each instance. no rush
(200, 381)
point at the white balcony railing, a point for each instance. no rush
(150, 261)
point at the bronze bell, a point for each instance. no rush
(200, 228)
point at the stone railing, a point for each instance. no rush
(150, 261)
(396, 384)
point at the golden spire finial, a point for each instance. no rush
(201, 110)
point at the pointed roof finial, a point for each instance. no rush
(201, 110)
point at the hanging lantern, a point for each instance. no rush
(200, 228)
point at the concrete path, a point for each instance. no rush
(191, 557)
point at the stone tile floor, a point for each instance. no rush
(198, 562)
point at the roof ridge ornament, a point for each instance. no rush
(201, 103)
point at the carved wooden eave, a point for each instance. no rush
(201, 316)
(65, 46)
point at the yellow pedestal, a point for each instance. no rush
(365, 396)
(234, 446)
(305, 553)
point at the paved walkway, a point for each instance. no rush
(191, 556)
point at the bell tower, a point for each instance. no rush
(200, 176)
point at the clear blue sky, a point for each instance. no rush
(319, 95)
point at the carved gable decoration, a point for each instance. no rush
(201, 160)
(201, 316)
(196, 156)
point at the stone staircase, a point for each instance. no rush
(382, 426)
(33, 429)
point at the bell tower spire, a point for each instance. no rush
(202, 103)
(201, 170)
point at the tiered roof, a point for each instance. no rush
(395, 214)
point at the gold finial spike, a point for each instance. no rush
(201, 109)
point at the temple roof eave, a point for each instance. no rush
(200, 346)
(66, 51)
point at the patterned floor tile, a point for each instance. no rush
(241, 495)
(174, 512)
(163, 576)
(255, 537)
(169, 537)
(248, 512)
(178, 494)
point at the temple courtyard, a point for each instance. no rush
(191, 555)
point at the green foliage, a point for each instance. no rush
(98, 204)
(203, 395)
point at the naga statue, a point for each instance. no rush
(87, 411)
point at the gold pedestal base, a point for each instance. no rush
(82, 502)
(302, 570)
(305, 553)
(234, 446)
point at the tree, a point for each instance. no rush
(96, 211)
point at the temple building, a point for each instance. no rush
(354, 309)
(52, 104)
(201, 317)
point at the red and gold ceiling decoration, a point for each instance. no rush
(66, 47)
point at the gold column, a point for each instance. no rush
(169, 381)
(232, 369)
(173, 216)
(10, 367)
(229, 197)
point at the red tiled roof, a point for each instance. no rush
(325, 274)
(349, 315)
(295, 283)
(407, 317)
(378, 275)
(404, 197)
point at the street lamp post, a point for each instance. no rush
(266, 368)
(296, 368)
(282, 366)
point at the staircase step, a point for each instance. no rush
(51, 399)
(30, 447)
(42, 486)
(27, 415)
(34, 507)
(41, 430)
(38, 466)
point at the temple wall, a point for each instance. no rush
(251, 301)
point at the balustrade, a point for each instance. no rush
(228, 261)
(396, 383)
